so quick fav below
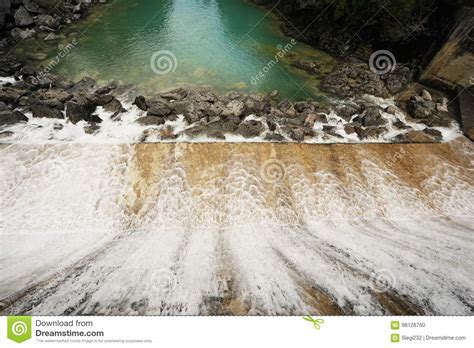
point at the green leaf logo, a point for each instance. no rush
(19, 328)
(316, 322)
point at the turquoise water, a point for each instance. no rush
(225, 44)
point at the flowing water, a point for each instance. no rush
(237, 229)
(220, 43)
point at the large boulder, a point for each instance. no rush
(140, 103)
(22, 17)
(44, 111)
(433, 113)
(80, 108)
(114, 106)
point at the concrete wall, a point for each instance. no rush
(453, 65)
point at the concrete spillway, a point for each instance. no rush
(237, 229)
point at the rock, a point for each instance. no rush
(250, 129)
(3, 106)
(302, 106)
(53, 103)
(85, 85)
(434, 133)
(36, 56)
(21, 34)
(237, 107)
(194, 131)
(43, 111)
(415, 137)
(309, 67)
(11, 96)
(227, 125)
(63, 83)
(392, 110)
(296, 133)
(354, 78)
(426, 95)
(80, 108)
(400, 125)
(114, 106)
(287, 108)
(51, 37)
(91, 128)
(346, 111)
(255, 104)
(350, 128)
(274, 137)
(158, 108)
(179, 107)
(48, 21)
(175, 94)
(210, 97)
(3, 135)
(140, 103)
(103, 99)
(167, 133)
(22, 17)
(398, 80)
(421, 108)
(58, 94)
(104, 90)
(372, 117)
(469, 133)
(370, 133)
(31, 6)
(215, 134)
(310, 120)
(11, 117)
(273, 94)
(150, 121)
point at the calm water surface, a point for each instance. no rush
(220, 43)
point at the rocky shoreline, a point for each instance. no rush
(29, 96)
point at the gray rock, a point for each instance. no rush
(11, 117)
(31, 6)
(150, 121)
(58, 94)
(140, 103)
(274, 137)
(21, 34)
(237, 108)
(372, 117)
(80, 108)
(158, 108)
(415, 137)
(37, 56)
(114, 106)
(250, 129)
(22, 17)
(434, 133)
(43, 111)
(370, 132)
(426, 95)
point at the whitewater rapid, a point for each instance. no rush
(237, 229)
